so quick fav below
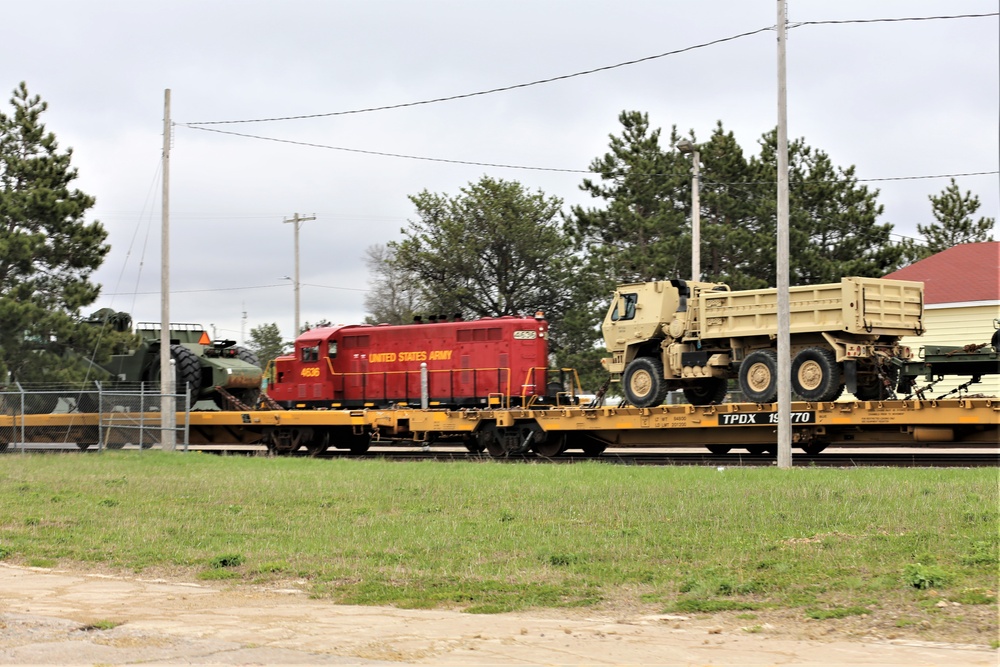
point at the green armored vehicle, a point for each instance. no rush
(201, 364)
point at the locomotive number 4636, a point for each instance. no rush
(310, 372)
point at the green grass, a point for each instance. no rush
(493, 537)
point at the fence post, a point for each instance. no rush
(20, 390)
(100, 416)
(187, 414)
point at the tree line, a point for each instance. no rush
(494, 248)
(499, 248)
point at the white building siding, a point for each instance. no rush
(958, 325)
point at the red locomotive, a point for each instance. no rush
(489, 362)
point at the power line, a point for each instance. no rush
(595, 70)
(491, 90)
(895, 20)
(383, 154)
(549, 169)
(233, 289)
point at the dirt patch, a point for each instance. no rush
(69, 618)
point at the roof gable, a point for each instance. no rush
(967, 272)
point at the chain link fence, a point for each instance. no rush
(91, 415)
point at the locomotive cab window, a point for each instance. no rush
(333, 349)
(310, 354)
(624, 308)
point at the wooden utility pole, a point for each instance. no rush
(168, 406)
(784, 309)
(297, 220)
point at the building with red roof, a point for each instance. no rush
(961, 302)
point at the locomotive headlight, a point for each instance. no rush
(539, 315)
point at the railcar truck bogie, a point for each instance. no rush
(697, 336)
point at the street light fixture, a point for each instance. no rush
(686, 147)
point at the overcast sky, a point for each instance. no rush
(895, 99)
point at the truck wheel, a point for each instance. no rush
(706, 391)
(816, 375)
(643, 381)
(759, 376)
(876, 389)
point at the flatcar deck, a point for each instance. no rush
(965, 422)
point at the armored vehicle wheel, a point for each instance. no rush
(40, 404)
(87, 403)
(188, 371)
(816, 375)
(246, 355)
(706, 391)
(643, 382)
(759, 376)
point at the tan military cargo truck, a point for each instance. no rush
(695, 336)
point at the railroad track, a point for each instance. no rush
(830, 458)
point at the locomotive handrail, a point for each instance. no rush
(500, 370)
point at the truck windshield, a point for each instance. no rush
(624, 307)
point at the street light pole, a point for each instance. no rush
(297, 220)
(686, 147)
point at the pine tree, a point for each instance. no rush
(954, 213)
(48, 252)
(266, 343)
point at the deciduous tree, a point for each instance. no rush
(493, 249)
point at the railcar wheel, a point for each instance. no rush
(474, 445)
(319, 444)
(814, 448)
(719, 450)
(554, 445)
(83, 446)
(757, 450)
(643, 382)
(594, 448)
(759, 376)
(706, 391)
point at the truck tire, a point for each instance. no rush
(188, 371)
(816, 376)
(876, 389)
(643, 382)
(759, 376)
(707, 391)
